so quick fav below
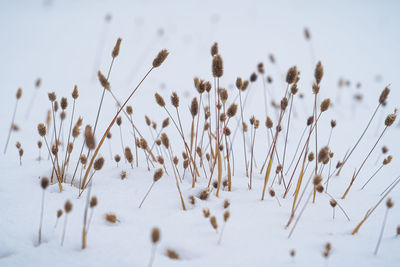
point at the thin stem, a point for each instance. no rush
(381, 234)
(11, 126)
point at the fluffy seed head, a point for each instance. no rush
(64, 103)
(223, 93)
(194, 107)
(52, 96)
(231, 112)
(317, 180)
(162, 55)
(128, 154)
(89, 138)
(239, 83)
(323, 154)
(311, 156)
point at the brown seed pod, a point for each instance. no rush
(54, 149)
(52, 96)
(83, 159)
(59, 213)
(269, 123)
(70, 147)
(155, 235)
(333, 203)
(98, 164)
(253, 77)
(89, 138)
(294, 89)
(310, 120)
(204, 195)
(194, 107)
(162, 55)
(207, 86)
(63, 115)
(172, 254)
(214, 49)
(158, 175)
(117, 158)
(119, 121)
(260, 68)
(389, 203)
(387, 160)
(239, 83)
(325, 105)
(115, 51)
(226, 215)
(111, 217)
(226, 204)
(323, 154)
(75, 93)
(284, 103)
(317, 180)
(223, 93)
(333, 123)
(390, 119)
(320, 188)
(129, 110)
(307, 34)
(44, 183)
(160, 100)
(55, 106)
(165, 140)
(123, 175)
(245, 85)
(315, 88)
(39, 144)
(227, 131)
(385, 149)
(319, 72)
(217, 66)
(68, 206)
(272, 192)
(103, 81)
(244, 127)
(64, 103)
(175, 99)
(93, 202)
(292, 253)
(41, 129)
(206, 213)
(18, 145)
(128, 154)
(384, 95)
(291, 75)
(311, 156)
(231, 112)
(213, 221)
(38, 82)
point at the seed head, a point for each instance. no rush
(333, 203)
(44, 183)
(75, 93)
(323, 154)
(239, 83)
(103, 81)
(68, 206)
(93, 202)
(385, 149)
(70, 147)
(162, 55)
(117, 158)
(231, 112)
(269, 123)
(310, 120)
(317, 180)
(83, 159)
(115, 51)
(253, 77)
(165, 140)
(52, 96)
(38, 82)
(160, 100)
(206, 213)
(223, 93)
(213, 221)
(128, 154)
(158, 175)
(155, 235)
(389, 203)
(384, 95)
(19, 93)
(260, 68)
(175, 99)
(123, 175)
(284, 103)
(214, 49)
(39, 144)
(119, 121)
(315, 88)
(129, 110)
(319, 72)
(320, 188)
(98, 164)
(64, 103)
(291, 75)
(311, 156)
(59, 213)
(204, 195)
(172, 254)
(226, 215)
(325, 105)
(217, 66)
(333, 123)
(194, 107)
(390, 119)
(89, 138)
(110, 217)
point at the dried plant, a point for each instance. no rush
(389, 205)
(155, 238)
(44, 183)
(157, 176)
(12, 125)
(67, 209)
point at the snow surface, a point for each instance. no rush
(59, 41)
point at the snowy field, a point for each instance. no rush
(65, 43)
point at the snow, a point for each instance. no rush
(60, 41)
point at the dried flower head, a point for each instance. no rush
(223, 93)
(226, 215)
(64, 103)
(272, 192)
(194, 107)
(117, 158)
(39, 144)
(307, 34)
(89, 138)
(68, 206)
(162, 55)
(239, 83)
(323, 154)
(269, 123)
(317, 180)
(206, 213)
(75, 93)
(155, 235)
(213, 221)
(385, 149)
(52, 96)
(260, 68)
(111, 217)
(44, 183)
(115, 51)
(128, 154)
(389, 203)
(319, 72)
(158, 175)
(333, 123)
(253, 77)
(226, 204)
(172, 254)
(119, 121)
(231, 112)
(214, 49)
(123, 175)
(325, 104)
(160, 100)
(129, 110)
(217, 66)
(98, 164)
(204, 195)
(387, 160)
(93, 202)
(103, 81)
(333, 203)
(291, 75)
(165, 140)
(384, 95)
(59, 213)
(83, 159)
(390, 119)
(175, 99)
